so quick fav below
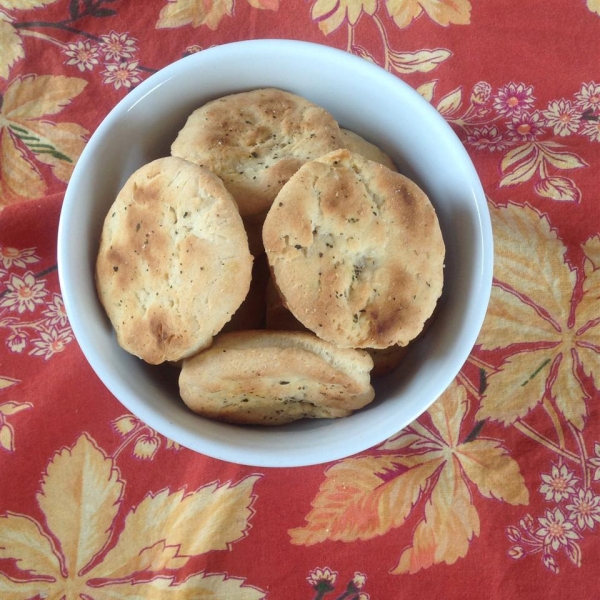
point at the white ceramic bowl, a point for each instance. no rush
(363, 97)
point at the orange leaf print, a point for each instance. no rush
(80, 516)
(155, 535)
(530, 306)
(368, 496)
(18, 174)
(488, 465)
(332, 13)
(558, 188)
(264, 4)
(355, 501)
(443, 12)
(80, 498)
(12, 45)
(517, 388)
(450, 523)
(25, 136)
(178, 13)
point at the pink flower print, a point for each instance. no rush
(585, 509)
(513, 98)
(555, 530)
(117, 46)
(481, 92)
(16, 342)
(82, 55)
(560, 484)
(486, 138)
(525, 126)
(563, 117)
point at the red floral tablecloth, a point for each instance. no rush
(494, 493)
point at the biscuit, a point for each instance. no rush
(173, 264)
(273, 378)
(255, 141)
(356, 251)
(385, 360)
(358, 145)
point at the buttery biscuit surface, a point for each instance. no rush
(273, 377)
(356, 251)
(173, 263)
(255, 141)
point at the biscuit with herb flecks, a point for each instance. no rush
(255, 141)
(173, 264)
(275, 377)
(356, 251)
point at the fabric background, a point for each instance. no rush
(495, 492)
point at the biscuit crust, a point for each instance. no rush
(274, 377)
(255, 141)
(173, 263)
(356, 251)
(358, 145)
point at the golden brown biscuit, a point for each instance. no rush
(385, 360)
(255, 141)
(356, 251)
(355, 143)
(272, 378)
(173, 264)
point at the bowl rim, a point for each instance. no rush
(217, 448)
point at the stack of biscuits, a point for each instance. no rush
(280, 261)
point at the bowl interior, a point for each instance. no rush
(362, 97)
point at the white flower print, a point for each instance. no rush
(23, 293)
(555, 530)
(12, 257)
(592, 130)
(563, 117)
(560, 484)
(55, 311)
(588, 96)
(585, 509)
(82, 55)
(122, 75)
(117, 46)
(51, 342)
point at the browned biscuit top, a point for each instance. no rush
(272, 377)
(173, 263)
(358, 145)
(255, 141)
(356, 251)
